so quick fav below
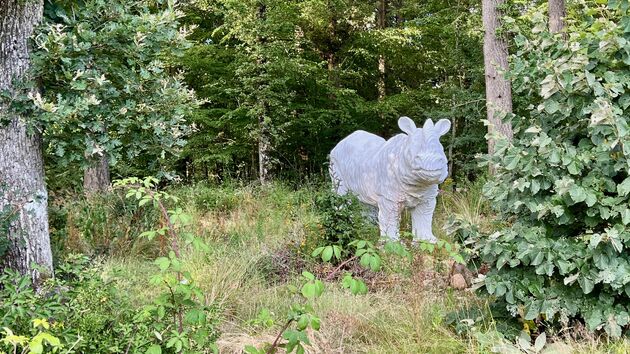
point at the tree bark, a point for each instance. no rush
(96, 179)
(264, 141)
(498, 88)
(557, 13)
(382, 24)
(21, 163)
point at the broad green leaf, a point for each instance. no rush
(154, 349)
(327, 253)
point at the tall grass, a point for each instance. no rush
(257, 239)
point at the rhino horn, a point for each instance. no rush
(427, 128)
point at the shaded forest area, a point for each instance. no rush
(287, 80)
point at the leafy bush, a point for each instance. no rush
(85, 310)
(342, 220)
(79, 306)
(36, 344)
(183, 320)
(562, 186)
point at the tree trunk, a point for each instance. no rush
(382, 24)
(96, 177)
(557, 13)
(263, 151)
(264, 141)
(495, 57)
(21, 163)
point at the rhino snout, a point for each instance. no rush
(429, 162)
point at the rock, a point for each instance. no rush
(458, 282)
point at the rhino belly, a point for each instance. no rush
(353, 165)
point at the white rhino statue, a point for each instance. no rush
(402, 172)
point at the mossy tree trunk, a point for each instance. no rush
(24, 200)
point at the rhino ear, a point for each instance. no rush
(406, 125)
(442, 126)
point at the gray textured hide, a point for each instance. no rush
(402, 172)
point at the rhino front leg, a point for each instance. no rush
(422, 217)
(389, 219)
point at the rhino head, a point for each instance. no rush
(425, 160)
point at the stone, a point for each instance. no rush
(458, 282)
(391, 175)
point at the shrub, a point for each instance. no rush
(84, 310)
(561, 186)
(342, 219)
(80, 307)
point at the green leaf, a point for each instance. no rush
(540, 342)
(154, 349)
(163, 263)
(577, 193)
(250, 349)
(317, 251)
(624, 187)
(532, 310)
(315, 323)
(302, 323)
(327, 254)
(309, 291)
(375, 263)
(586, 284)
(337, 251)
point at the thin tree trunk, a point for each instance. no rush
(382, 24)
(498, 88)
(96, 179)
(264, 145)
(451, 161)
(330, 55)
(264, 141)
(557, 13)
(23, 191)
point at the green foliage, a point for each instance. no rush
(304, 74)
(342, 219)
(81, 308)
(301, 315)
(183, 319)
(38, 344)
(223, 199)
(20, 304)
(561, 184)
(8, 214)
(110, 87)
(450, 249)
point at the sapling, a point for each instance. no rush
(182, 299)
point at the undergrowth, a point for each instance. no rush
(259, 241)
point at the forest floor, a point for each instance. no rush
(260, 242)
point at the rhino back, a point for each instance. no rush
(353, 161)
